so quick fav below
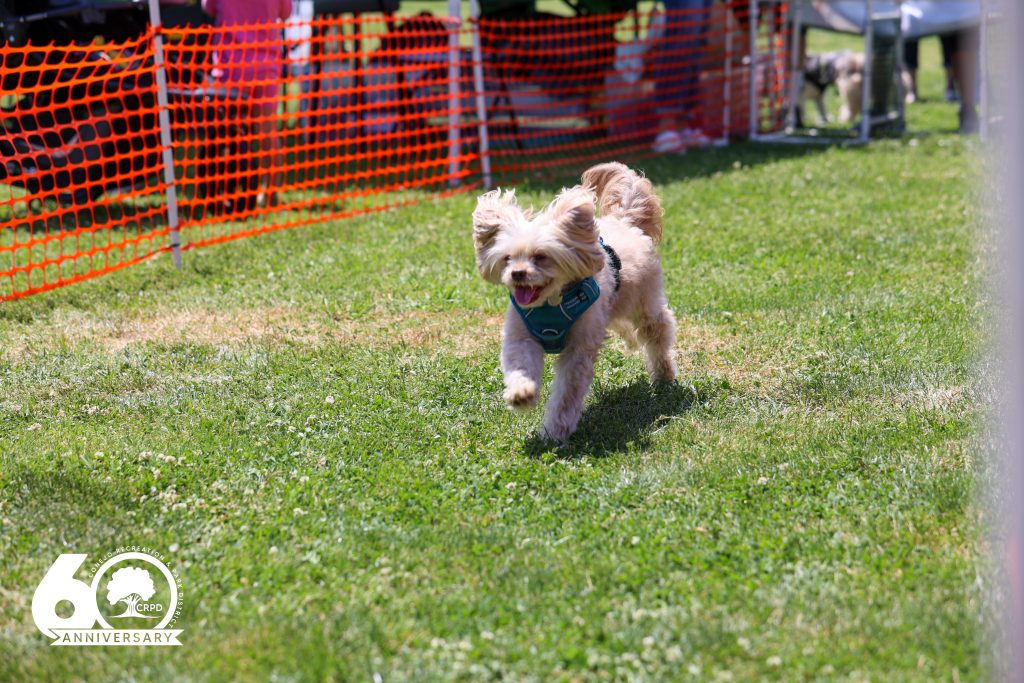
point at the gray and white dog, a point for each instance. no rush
(843, 69)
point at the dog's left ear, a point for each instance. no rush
(573, 211)
(494, 210)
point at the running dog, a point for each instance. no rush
(571, 275)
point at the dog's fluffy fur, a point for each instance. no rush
(540, 254)
(843, 69)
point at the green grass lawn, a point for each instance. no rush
(309, 425)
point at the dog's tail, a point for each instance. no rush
(624, 193)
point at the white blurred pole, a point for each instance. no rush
(165, 131)
(454, 95)
(481, 97)
(1011, 173)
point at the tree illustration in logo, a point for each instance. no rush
(130, 585)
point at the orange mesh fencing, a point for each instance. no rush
(274, 126)
(80, 192)
(565, 91)
(357, 115)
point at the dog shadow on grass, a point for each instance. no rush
(624, 417)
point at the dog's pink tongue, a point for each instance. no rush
(526, 295)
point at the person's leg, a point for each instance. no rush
(666, 72)
(694, 60)
(271, 162)
(677, 67)
(264, 121)
(948, 42)
(965, 71)
(666, 88)
(911, 54)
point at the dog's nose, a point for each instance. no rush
(518, 274)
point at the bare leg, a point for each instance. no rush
(910, 85)
(965, 65)
(271, 160)
(275, 172)
(965, 71)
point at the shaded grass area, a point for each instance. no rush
(309, 424)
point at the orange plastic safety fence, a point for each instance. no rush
(276, 126)
(564, 91)
(351, 116)
(80, 192)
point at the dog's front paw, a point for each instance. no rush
(521, 393)
(557, 434)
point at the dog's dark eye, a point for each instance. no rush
(540, 258)
(508, 259)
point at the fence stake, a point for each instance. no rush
(454, 94)
(754, 114)
(727, 72)
(901, 68)
(165, 131)
(869, 53)
(481, 97)
(796, 70)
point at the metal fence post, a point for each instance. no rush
(727, 73)
(869, 53)
(454, 93)
(165, 131)
(796, 71)
(481, 97)
(754, 115)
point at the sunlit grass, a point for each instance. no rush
(309, 424)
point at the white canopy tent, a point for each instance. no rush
(880, 20)
(919, 18)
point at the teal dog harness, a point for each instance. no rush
(550, 324)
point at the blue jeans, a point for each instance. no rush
(679, 58)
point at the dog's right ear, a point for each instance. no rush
(573, 212)
(494, 210)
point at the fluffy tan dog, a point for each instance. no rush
(545, 261)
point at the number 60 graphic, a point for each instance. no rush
(59, 585)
